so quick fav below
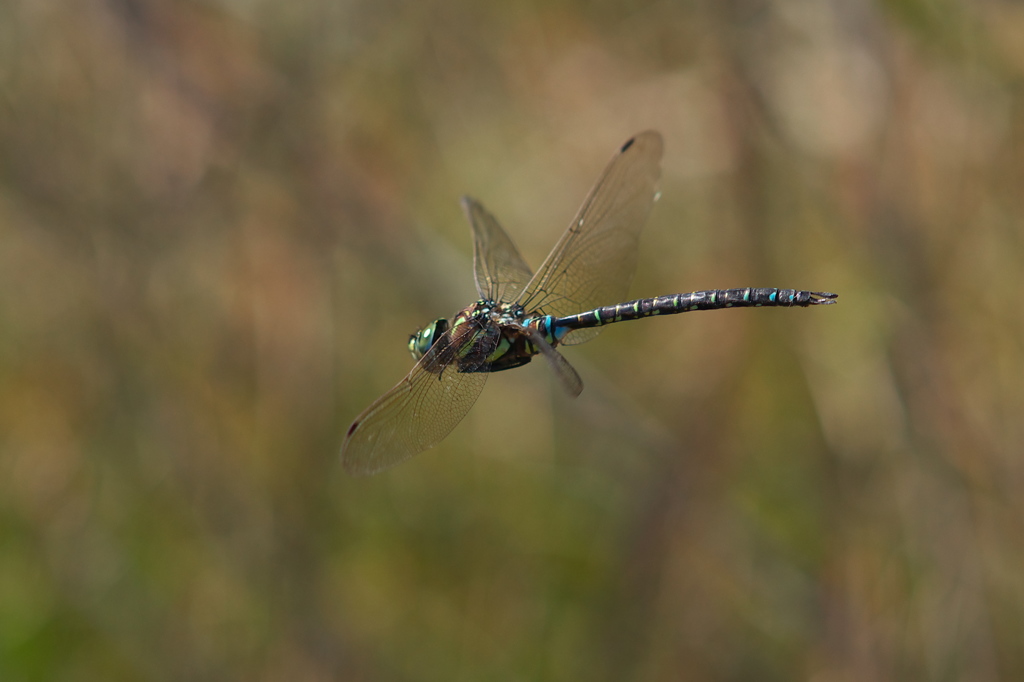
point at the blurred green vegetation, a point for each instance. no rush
(219, 222)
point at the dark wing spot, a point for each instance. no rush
(629, 143)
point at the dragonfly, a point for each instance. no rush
(521, 314)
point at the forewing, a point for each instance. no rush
(594, 261)
(501, 273)
(414, 415)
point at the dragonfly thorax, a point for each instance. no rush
(501, 314)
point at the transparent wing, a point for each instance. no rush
(501, 273)
(414, 415)
(594, 261)
(566, 373)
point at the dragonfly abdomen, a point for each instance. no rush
(713, 299)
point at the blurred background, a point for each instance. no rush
(220, 220)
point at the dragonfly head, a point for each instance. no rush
(421, 341)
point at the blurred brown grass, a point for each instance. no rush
(220, 221)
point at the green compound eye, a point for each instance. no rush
(420, 342)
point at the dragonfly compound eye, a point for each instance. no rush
(421, 342)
